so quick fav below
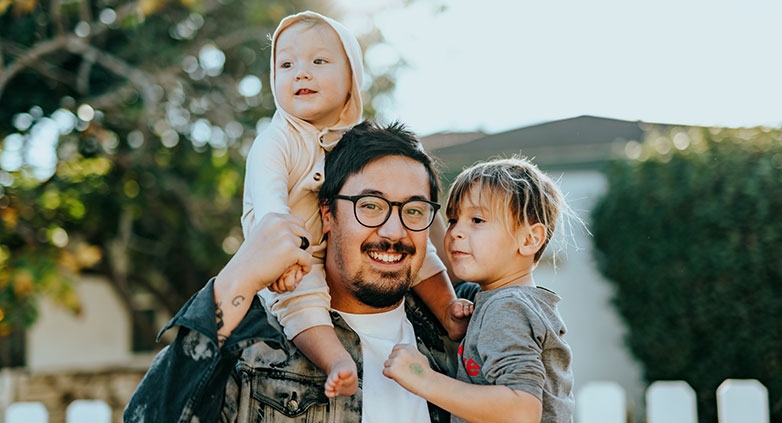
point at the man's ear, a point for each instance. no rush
(531, 239)
(326, 217)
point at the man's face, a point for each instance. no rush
(370, 269)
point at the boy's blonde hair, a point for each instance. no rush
(516, 190)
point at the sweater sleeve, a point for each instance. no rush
(266, 179)
(511, 347)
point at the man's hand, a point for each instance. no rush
(271, 249)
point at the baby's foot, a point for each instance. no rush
(343, 379)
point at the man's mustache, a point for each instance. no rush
(396, 247)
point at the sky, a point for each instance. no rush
(497, 65)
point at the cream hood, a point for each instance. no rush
(351, 114)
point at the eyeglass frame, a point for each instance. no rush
(399, 204)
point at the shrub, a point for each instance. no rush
(690, 235)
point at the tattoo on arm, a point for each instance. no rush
(221, 337)
(219, 316)
(417, 369)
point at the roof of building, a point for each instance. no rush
(583, 141)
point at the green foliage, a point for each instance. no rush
(690, 236)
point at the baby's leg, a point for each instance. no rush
(321, 345)
(304, 315)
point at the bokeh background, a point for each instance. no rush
(124, 127)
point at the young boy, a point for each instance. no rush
(513, 359)
(316, 77)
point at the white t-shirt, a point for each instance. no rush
(384, 399)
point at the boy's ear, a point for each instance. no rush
(531, 239)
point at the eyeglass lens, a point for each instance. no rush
(373, 211)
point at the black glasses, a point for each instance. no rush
(373, 211)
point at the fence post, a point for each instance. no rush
(671, 401)
(601, 402)
(26, 412)
(742, 401)
(93, 411)
(6, 391)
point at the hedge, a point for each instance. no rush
(689, 233)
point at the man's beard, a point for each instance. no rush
(386, 291)
(389, 287)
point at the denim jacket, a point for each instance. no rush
(258, 375)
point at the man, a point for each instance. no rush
(230, 360)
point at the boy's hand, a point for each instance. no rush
(460, 310)
(408, 367)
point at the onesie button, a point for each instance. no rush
(317, 176)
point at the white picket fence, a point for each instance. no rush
(738, 401)
(79, 411)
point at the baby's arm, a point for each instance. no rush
(484, 403)
(436, 238)
(437, 292)
(266, 191)
(453, 313)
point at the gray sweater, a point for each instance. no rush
(515, 338)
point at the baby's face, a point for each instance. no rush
(312, 74)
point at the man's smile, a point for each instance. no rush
(388, 253)
(388, 258)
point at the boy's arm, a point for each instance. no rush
(473, 403)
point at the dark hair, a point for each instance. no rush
(365, 143)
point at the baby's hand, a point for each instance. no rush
(459, 311)
(288, 281)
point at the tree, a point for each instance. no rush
(124, 130)
(689, 235)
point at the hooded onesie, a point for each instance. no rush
(284, 173)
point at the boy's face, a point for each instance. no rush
(312, 76)
(479, 245)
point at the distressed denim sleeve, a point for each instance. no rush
(187, 379)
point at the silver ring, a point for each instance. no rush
(304, 243)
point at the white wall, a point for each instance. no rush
(99, 337)
(595, 331)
